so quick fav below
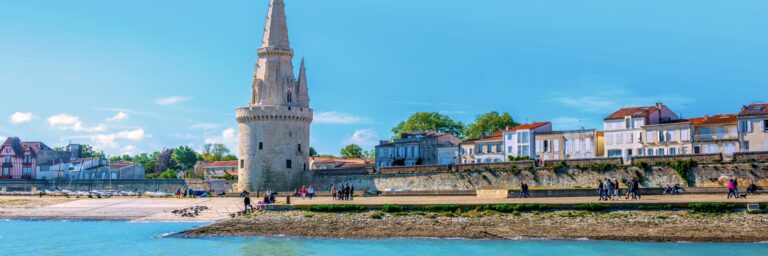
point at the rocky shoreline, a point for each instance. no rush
(647, 226)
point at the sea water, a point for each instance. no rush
(150, 238)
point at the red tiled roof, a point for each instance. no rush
(232, 163)
(715, 120)
(754, 109)
(530, 126)
(631, 111)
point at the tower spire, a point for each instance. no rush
(303, 92)
(276, 29)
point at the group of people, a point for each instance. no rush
(524, 190)
(673, 190)
(343, 192)
(269, 198)
(733, 189)
(608, 189)
(305, 192)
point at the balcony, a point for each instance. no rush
(716, 137)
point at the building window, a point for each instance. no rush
(299, 147)
(26, 171)
(488, 148)
(498, 148)
(288, 164)
(660, 152)
(746, 145)
(745, 126)
(765, 125)
(673, 151)
(261, 145)
(7, 159)
(650, 152)
(242, 163)
(614, 153)
(290, 97)
(480, 149)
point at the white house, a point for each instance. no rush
(519, 141)
(623, 128)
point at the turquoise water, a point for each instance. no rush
(131, 238)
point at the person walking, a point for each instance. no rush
(736, 186)
(311, 192)
(616, 189)
(600, 191)
(303, 192)
(731, 192)
(247, 203)
(522, 190)
(333, 192)
(351, 192)
(608, 189)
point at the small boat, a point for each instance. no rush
(157, 194)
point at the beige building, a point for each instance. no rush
(623, 129)
(716, 134)
(274, 127)
(467, 152)
(560, 145)
(488, 149)
(753, 128)
(667, 138)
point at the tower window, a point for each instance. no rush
(290, 97)
(261, 145)
(242, 163)
(299, 147)
(288, 164)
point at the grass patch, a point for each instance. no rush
(376, 215)
(711, 207)
(309, 215)
(507, 208)
(336, 208)
(654, 207)
(442, 208)
(392, 208)
(591, 207)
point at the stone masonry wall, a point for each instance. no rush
(703, 175)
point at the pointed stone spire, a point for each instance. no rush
(276, 29)
(303, 93)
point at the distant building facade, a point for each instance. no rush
(520, 141)
(20, 159)
(489, 149)
(561, 145)
(216, 169)
(418, 148)
(753, 127)
(623, 128)
(716, 134)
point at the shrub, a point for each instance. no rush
(682, 167)
(705, 207)
(392, 208)
(591, 207)
(642, 165)
(336, 208)
(601, 167)
(376, 215)
(654, 207)
(517, 158)
(442, 208)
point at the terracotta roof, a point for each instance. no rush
(754, 109)
(631, 111)
(232, 163)
(715, 120)
(530, 126)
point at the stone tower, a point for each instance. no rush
(274, 127)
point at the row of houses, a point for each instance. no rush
(35, 160)
(628, 132)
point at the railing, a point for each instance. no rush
(718, 136)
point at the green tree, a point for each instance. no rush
(216, 152)
(312, 151)
(488, 123)
(185, 157)
(429, 121)
(168, 174)
(370, 154)
(352, 151)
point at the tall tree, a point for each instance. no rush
(312, 151)
(165, 161)
(352, 151)
(185, 157)
(488, 123)
(216, 152)
(432, 121)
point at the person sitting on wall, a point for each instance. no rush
(752, 188)
(667, 190)
(677, 189)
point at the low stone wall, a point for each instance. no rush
(344, 171)
(750, 156)
(493, 193)
(657, 160)
(416, 169)
(430, 193)
(504, 166)
(141, 185)
(616, 161)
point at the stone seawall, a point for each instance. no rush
(702, 175)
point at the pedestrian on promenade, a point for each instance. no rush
(333, 192)
(736, 186)
(351, 192)
(303, 192)
(616, 189)
(600, 190)
(731, 192)
(311, 192)
(522, 190)
(608, 189)
(247, 203)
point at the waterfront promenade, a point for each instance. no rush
(159, 209)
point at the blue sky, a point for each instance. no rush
(141, 75)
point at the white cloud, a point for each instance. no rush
(333, 117)
(205, 126)
(110, 140)
(118, 117)
(69, 122)
(228, 137)
(363, 138)
(173, 100)
(21, 117)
